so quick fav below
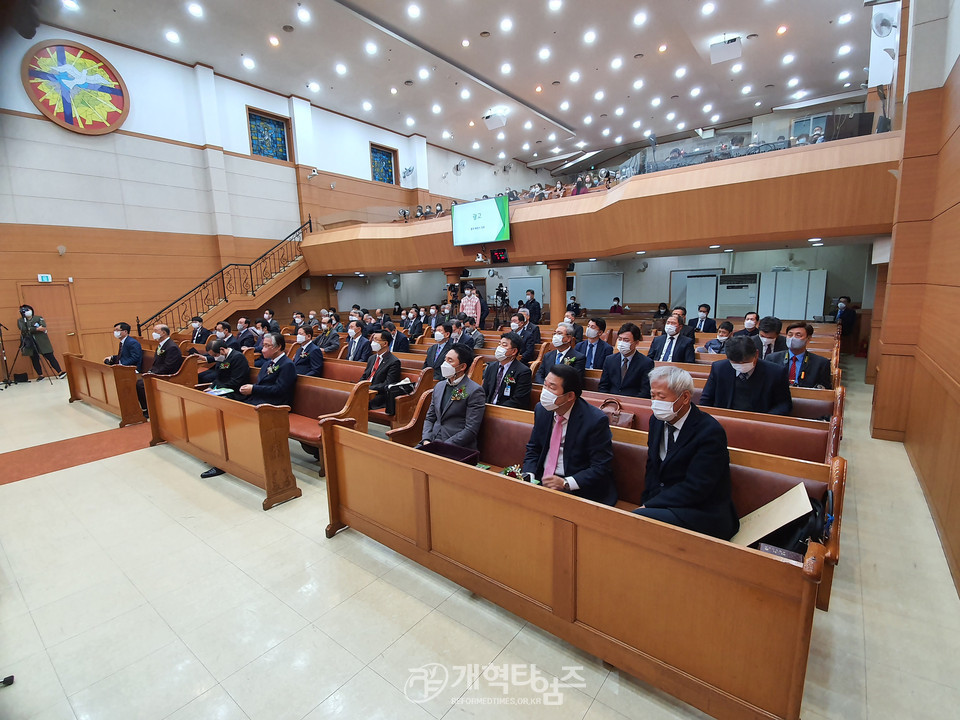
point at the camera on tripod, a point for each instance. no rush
(502, 296)
(454, 290)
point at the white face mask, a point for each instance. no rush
(422, 313)
(433, 311)
(411, 316)
(670, 329)
(375, 346)
(548, 400)
(195, 325)
(796, 344)
(623, 347)
(841, 305)
(352, 332)
(447, 370)
(266, 317)
(529, 298)
(591, 332)
(313, 316)
(703, 316)
(469, 293)
(742, 367)
(514, 326)
(454, 338)
(558, 340)
(300, 338)
(663, 410)
(116, 334)
(156, 336)
(221, 334)
(722, 338)
(438, 336)
(258, 331)
(500, 353)
(749, 324)
(28, 314)
(766, 342)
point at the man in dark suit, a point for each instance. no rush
(768, 339)
(703, 322)
(167, 359)
(414, 326)
(846, 315)
(472, 336)
(625, 373)
(399, 342)
(533, 306)
(433, 317)
(595, 350)
(325, 337)
(437, 353)
(571, 317)
(685, 330)
(358, 347)
(571, 446)
(574, 307)
(750, 321)
(383, 369)
(687, 479)
(245, 334)
(129, 352)
(529, 336)
(804, 369)
(200, 333)
(309, 358)
(231, 369)
(563, 354)
(744, 382)
(507, 381)
(223, 333)
(261, 327)
(274, 326)
(458, 403)
(672, 346)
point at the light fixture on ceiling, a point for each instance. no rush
(843, 50)
(526, 146)
(506, 25)
(736, 67)
(681, 126)
(313, 86)
(636, 124)
(598, 95)
(618, 139)
(423, 73)
(694, 92)
(707, 108)
(799, 95)
(303, 14)
(555, 150)
(793, 82)
(844, 74)
(501, 135)
(341, 69)
(846, 84)
(274, 40)
(589, 36)
(618, 112)
(707, 8)
(680, 72)
(195, 9)
(845, 18)
(544, 53)
(249, 63)
(781, 30)
(538, 89)
(817, 245)
(745, 90)
(464, 94)
(465, 43)
(671, 115)
(813, 240)
(606, 131)
(592, 259)
(662, 48)
(502, 155)
(476, 145)
(581, 144)
(714, 118)
(371, 48)
(655, 102)
(565, 105)
(616, 63)
(410, 121)
(788, 58)
(588, 119)
(528, 125)
(574, 76)
(446, 135)
(638, 84)
(367, 106)
(640, 19)
(729, 250)
(413, 11)
(506, 68)
(172, 36)
(393, 91)
(758, 103)
(647, 133)
(555, 5)
(436, 109)
(552, 137)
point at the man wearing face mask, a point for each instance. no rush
(358, 347)
(230, 371)
(687, 479)
(703, 322)
(745, 382)
(471, 336)
(714, 346)
(298, 320)
(672, 346)
(383, 369)
(434, 317)
(309, 358)
(457, 406)
(414, 325)
(399, 342)
(804, 369)
(246, 337)
(457, 334)
(570, 317)
(223, 333)
(260, 328)
(529, 345)
(200, 333)
(563, 354)
(571, 447)
(686, 330)
(470, 304)
(437, 353)
(625, 373)
(846, 315)
(129, 352)
(166, 361)
(35, 341)
(312, 319)
(768, 339)
(750, 321)
(507, 381)
(274, 326)
(534, 307)
(594, 350)
(325, 337)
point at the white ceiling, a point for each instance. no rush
(339, 30)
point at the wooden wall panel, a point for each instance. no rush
(908, 255)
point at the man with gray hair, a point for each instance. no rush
(687, 481)
(564, 354)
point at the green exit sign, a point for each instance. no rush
(44, 278)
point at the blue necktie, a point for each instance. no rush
(590, 349)
(667, 351)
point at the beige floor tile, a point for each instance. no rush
(214, 704)
(19, 639)
(36, 689)
(638, 700)
(72, 615)
(368, 554)
(175, 570)
(249, 537)
(62, 710)
(282, 558)
(836, 684)
(555, 655)
(482, 616)
(599, 711)
(916, 647)
(423, 584)
(12, 603)
(367, 695)
(200, 601)
(322, 586)
(54, 583)
(893, 695)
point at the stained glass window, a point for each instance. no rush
(382, 164)
(268, 136)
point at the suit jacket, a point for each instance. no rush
(518, 394)
(769, 380)
(129, 353)
(577, 332)
(531, 343)
(435, 357)
(687, 331)
(709, 325)
(846, 317)
(401, 343)
(277, 387)
(576, 360)
(600, 353)
(474, 339)
(693, 480)
(779, 345)
(636, 384)
(233, 372)
(587, 450)
(459, 422)
(200, 336)
(360, 347)
(247, 338)
(167, 359)
(274, 326)
(683, 350)
(813, 372)
(328, 341)
(309, 360)
(748, 333)
(535, 312)
(387, 373)
(415, 328)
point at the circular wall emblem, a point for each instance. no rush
(75, 87)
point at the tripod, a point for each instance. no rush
(27, 340)
(7, 382)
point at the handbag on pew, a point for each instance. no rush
(612, 408)
(451, 452)
(815, 525)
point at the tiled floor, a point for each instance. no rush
(132, 589)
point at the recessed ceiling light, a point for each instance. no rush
(506, 24)
(172, 36)
(606, 131)
(436, 109)
(528, 125)
(589, 36)
(538, 89)
(195, 9)
(465, 94)
(598, 95)
(618, 139)
(274, 40)
(845, 18)
(714, 247)
(371, 48)
(618, 112)
(410, 121)
(846, 84)
(552, 137)
(662, 48)
(707, 108)
(680, 72)
(758, 103)
(695, 92)
(714, 118)
(536, 154)
(465, 42)
(708, 8)
(655, 102)
(555, 5)
(413, 10)
(671, 115)
(393, 91)
(817, 245)
(423, 73)
(506, 68)
(476, 145)
(681, 126)
(581, 144)
(813, 240)
(737, 67)
(637, 84)
(303, 14)
(729, 250)
(341, 69)
(593, 259)
(526, 146)
(555, 150)
(544, 53)
(574, 76)
(248, 63)
(313, 86)
(502, 155)
(588, 119)
(501, 135)
(745, 90)
(640, 19)
(844, 75)
(641, 252)
(565, 105)
(647, 133)
(843, 50)
(793, 82)
(616, 63)
(800, 94)
(781, 30)
(788, 58)
(636, 124)
(367, 106)
(445, 134)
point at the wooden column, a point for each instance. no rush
(873, 349)
(558, 289)
(453, 276)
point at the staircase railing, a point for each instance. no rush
(233, 279)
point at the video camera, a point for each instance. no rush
(502, 296)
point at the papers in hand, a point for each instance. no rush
(218, 391)
(401, 383)
(774, 515)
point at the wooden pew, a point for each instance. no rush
(317, 398)
(724, 628)
(350, 371)
(186, 375)
(247, 441)
(109, 387)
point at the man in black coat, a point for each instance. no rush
(399, 342)
(533, 306)
(750, 321)
(278, 376)
(274, 326)
(686, 330)
(231, 369)
(383, 369)
(358, 347)
(846, 315)
(703, 322)
(744, 382)
(632, 379)
(687, 479)
(571, 446)
(563, 342)
(672, 346)
(200, 333)
(768, 339)
(245, 334)
(804, 369)
(309, 358)
(507, 381)
(437, 353)
(167, 359)
(529, 337)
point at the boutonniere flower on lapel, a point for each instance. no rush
(509, 380)
(304, 353)
(272, 369)
(569, 360)
(160, 352)
(224, 366)
(460, 393)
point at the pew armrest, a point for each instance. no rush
(407, 406)
(411, 433)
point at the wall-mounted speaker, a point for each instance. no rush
(305, 283)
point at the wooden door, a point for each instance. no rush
(54, 303)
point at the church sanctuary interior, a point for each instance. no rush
(441, 359)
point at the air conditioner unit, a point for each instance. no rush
(726, 50)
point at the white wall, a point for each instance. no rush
(477, 178)
(375, 292)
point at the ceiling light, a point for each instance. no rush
(598, 95)
(708, 8)
(655, 102)
(367, 106)
(616, 63)
(393, 91)
(637, 84)
(248, 63)
(845, 18)
(506, 24)
(636, 124)
(729, 250)
(274, 40)
(695, 92)
(303, 14)
(445, 134)
(436, 109)
(640, 19)
(528, 125)
(745, 90)
(552, 137)
(593, 259)
(846, 84)
(465, 42)
(781, 30)
(618, 112)
(555, 5)
(341, 69)
(195, 9)
(793, 82)
(737, 67)
(707, 108)
(574, 76)
(680, 72)
(465, 94)
(536, 154)
(788, 58)
(606, 131)
(714, 247)
(538, 89)
(758, 103)
(843, 50)
(409, 121)
(544, 53)
(647, 133)
(618, 139)
(581, 144)
(501, 136)
(671, 115)
(172, 36)
(641, 252)
(313, 86)
(588, 119)
(589, 36)
(526, 146)
(662, 48)
(555, 150)
(714, 118)
(800, 94)
(476, 145)
(813, 240)
(844, 75)
(371, 48)
(505, 68)
(681, 126)
(502, 155)
(413, 11)
(817, 245)
(565, 105)
(423, 73)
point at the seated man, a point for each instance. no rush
(745, 382)
(530, 339)
(245, 334)
(804, 369)
(399, 342)
(230, 370)
(571, 317)
(167, 359)
(472, 336)
(223, 333)
(750, 321)
(571, 446)
(325, 337)
(200, 333)
(358, 347)
(437, 354)
(714, 346)
(383, 369)
(616, 307)
(261, 327)
(686, 330)
(687, 480)
(507, 381)
(672, 346)
(563, 341)
(313, 320)
(457, 406)
(272, 325)
(625, 373)
(595, 350)
(129, 352)
(703, 322)
(573, 306)
(298, 320)
(768, 339)
(309, 358)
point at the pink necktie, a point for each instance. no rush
(553, 455)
